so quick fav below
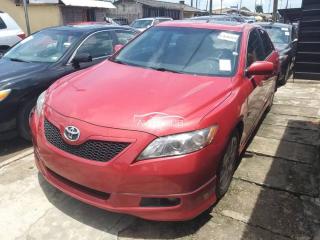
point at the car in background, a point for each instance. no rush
(121, 21)
(36, 62)
(220, 18)
(250, 19)
(144, 23)
(10, 32)
(284, 38)
(156, 130)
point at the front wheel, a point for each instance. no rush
(23, 120)
(227, 165)
(284, 80)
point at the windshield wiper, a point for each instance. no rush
(162, 69)
(18, 60)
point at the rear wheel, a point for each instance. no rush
(228, 164)
(3, 50)
(23, 120)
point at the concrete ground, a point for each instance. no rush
(274, 194)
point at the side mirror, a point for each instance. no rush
(81, 58)
(260, 68)
(295, 40)
(118, 47)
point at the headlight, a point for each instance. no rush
(179, 144)
(40, 103)
(4, 94)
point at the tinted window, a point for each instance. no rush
(124, 37)
(98, 45)
(267, 44)
(255, 49)
(2, 24)
(184, 50)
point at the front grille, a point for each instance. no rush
(101, 151)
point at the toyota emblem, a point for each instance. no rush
(71, 133)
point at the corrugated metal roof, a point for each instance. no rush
(88, 3)
(169, 5)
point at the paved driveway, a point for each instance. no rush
(274, 194)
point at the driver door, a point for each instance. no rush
(255, 101)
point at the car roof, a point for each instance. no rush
(274, 24)
(228, 26)
(88, 28)
(152, 18)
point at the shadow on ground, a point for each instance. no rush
(285, 189)
(9, 148)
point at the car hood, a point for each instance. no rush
(133, 98)
(12, 72)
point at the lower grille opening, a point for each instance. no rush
(88, 191)
(159, 202)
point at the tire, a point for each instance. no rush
(23, 120)
(228, 164)
(284, 80)
(3, 50)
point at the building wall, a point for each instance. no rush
(188, 14)
(129, 10)
(40, 16)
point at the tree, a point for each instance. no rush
(259, 9)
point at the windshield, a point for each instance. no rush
(278, 35)
(184, 50)
(141, 23)
(46, 46)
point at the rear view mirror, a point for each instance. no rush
(260, 68)
(81, 58)
(118, 47)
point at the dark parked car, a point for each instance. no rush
(221, 18)
(35, 63)
(121, 21)
(284, 38)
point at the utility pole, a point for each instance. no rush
(221, 7)
(210, 7)
(275, 10)
(191, 3)
(25, 6)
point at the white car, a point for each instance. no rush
(10, 32)
(143, 24)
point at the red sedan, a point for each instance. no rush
(156, 130)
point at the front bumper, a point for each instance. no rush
(120, 184)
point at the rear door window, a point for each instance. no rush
(2, 24)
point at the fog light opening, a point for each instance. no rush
(159, 202)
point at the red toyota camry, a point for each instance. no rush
(156, 130)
